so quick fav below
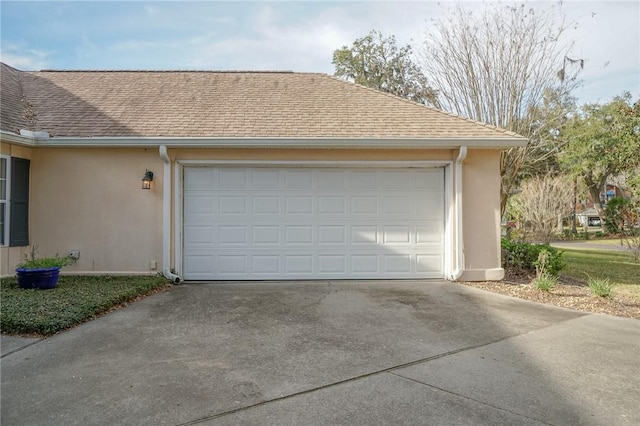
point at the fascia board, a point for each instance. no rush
(321, 143)
(12, 138)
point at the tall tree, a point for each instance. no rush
(506, 66)
(377, 62)
(603, 142)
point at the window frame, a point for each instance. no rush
(6, 201)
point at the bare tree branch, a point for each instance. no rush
(543, 202)
(501, 67)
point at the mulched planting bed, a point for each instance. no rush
(568, 293)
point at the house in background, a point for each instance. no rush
(612, 191)
(256, 176)
(589, 217)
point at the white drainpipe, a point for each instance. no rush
(457, 255)
(166, 217)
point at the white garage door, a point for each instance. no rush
(261, 223)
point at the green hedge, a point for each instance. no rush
(520, 254)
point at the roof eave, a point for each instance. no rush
(284, 142)
(12, 138)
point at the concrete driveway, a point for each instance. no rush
(351, 353)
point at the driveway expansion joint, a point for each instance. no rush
(21, 348)
(364, 376)
(486, 404)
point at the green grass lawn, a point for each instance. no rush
(604, 242)
(618, 266)
(609, 242)
(75, 300)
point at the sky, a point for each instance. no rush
(288, 35)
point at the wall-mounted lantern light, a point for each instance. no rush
(146, 180)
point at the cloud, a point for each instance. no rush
(278, 40)
(24, 58)
(264, 38)
(151, 10)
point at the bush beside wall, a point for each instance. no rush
(522, 255)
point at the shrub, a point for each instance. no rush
(525, 256)
(620, 215)
(32, 261)
(545, 281)
(542, 263)
(46, 262)
(633, 242)
(600, 286)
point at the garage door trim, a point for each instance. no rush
(180, 165)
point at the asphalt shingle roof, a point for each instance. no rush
(218, 104)
(13, 108)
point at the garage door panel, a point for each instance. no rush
(199, 234)
(425, 204)
(332, 264)
(265, 205)
(298, 178)
(200, 264)
(232, 205)
(265, 264)
(397, 263)
(198, 177)
(298, 234)
(198, 205)
(397, 205)
(331, 205)
(396, 179)
(364, 234)
(429, 233)
(363, 179)
(328, 179)
(233, 264)
(364, 205)
(309, 265)
(232, 234)
(396, 234)
(274, 223)
(298, 264)
(265, 178)
(427, 263)
(332, 234)
(429, 179)
(266, 234)
(231, 178)
(298, 205)
(365, 264)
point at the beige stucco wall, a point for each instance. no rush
(481, 215)
(89, 199)
(11, 256)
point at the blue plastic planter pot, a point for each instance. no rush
(43, 278)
